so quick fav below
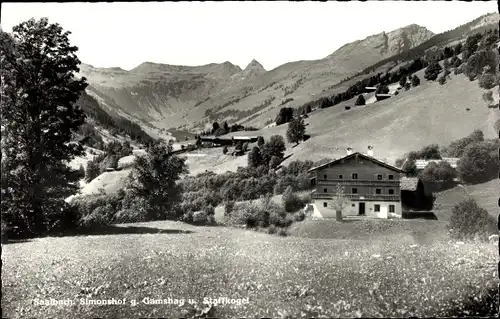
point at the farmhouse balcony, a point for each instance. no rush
(363, 182)
(359, 197)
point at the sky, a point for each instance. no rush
(198, 33)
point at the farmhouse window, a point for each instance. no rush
(354, 190)
(378, 191)
(392, 208)
(379, 177)
(354, 176)
(377, 208)
(325, 176)
(325, 190)
(353, 205)
(391, 191)
(390, 177)
(340, 176)
(313, 182)
(325, 204)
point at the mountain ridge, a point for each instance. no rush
(190, 97)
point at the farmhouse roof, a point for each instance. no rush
(357, 154)
(409, 183)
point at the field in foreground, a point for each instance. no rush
(387, 275)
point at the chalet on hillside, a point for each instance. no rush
(422, 163)
(228, 141)
(371, 186)
(370, 89)
(381, 97)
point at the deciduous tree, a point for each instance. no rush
(39, 118)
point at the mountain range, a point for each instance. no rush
(188, 98)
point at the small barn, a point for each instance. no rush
(414, 195)
(381, 97)
(370, 89)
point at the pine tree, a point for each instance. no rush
(260, 141)
(360, 100)
(402, 81)
(415, 80)
(92, 171)
(254, 157)
(39, 118)
(296, 130)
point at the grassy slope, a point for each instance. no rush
(486, 195)
(427, 114)
(336, 277)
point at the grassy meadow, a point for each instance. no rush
(360, 268)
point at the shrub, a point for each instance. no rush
(204, 217)
(497, 126)
(245, 147)
(415, 80)
(5, 231)
(283, 232)
(291, 202)
(459, 69)
(229, 207)
(488, 97)
(468, 220)
(272, 229)
(442, 79)
(96, 211)
(274, 162)
(487, 81)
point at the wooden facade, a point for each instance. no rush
(372, 186)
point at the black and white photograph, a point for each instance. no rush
(250, 159)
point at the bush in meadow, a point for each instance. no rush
(469, 220)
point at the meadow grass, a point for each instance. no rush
(389, 274)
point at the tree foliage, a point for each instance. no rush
(254, 157)
(296, 130)
(39, 119)
(274, 147)
(479, 162)
(415, 80)
(285, 115)
(432, 71)
(360, 100)
(456, 148)
(480, 60)
(154, 178)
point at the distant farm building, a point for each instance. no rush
(370, 89)
(228, 141)
(421, 163)
(381, 97)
